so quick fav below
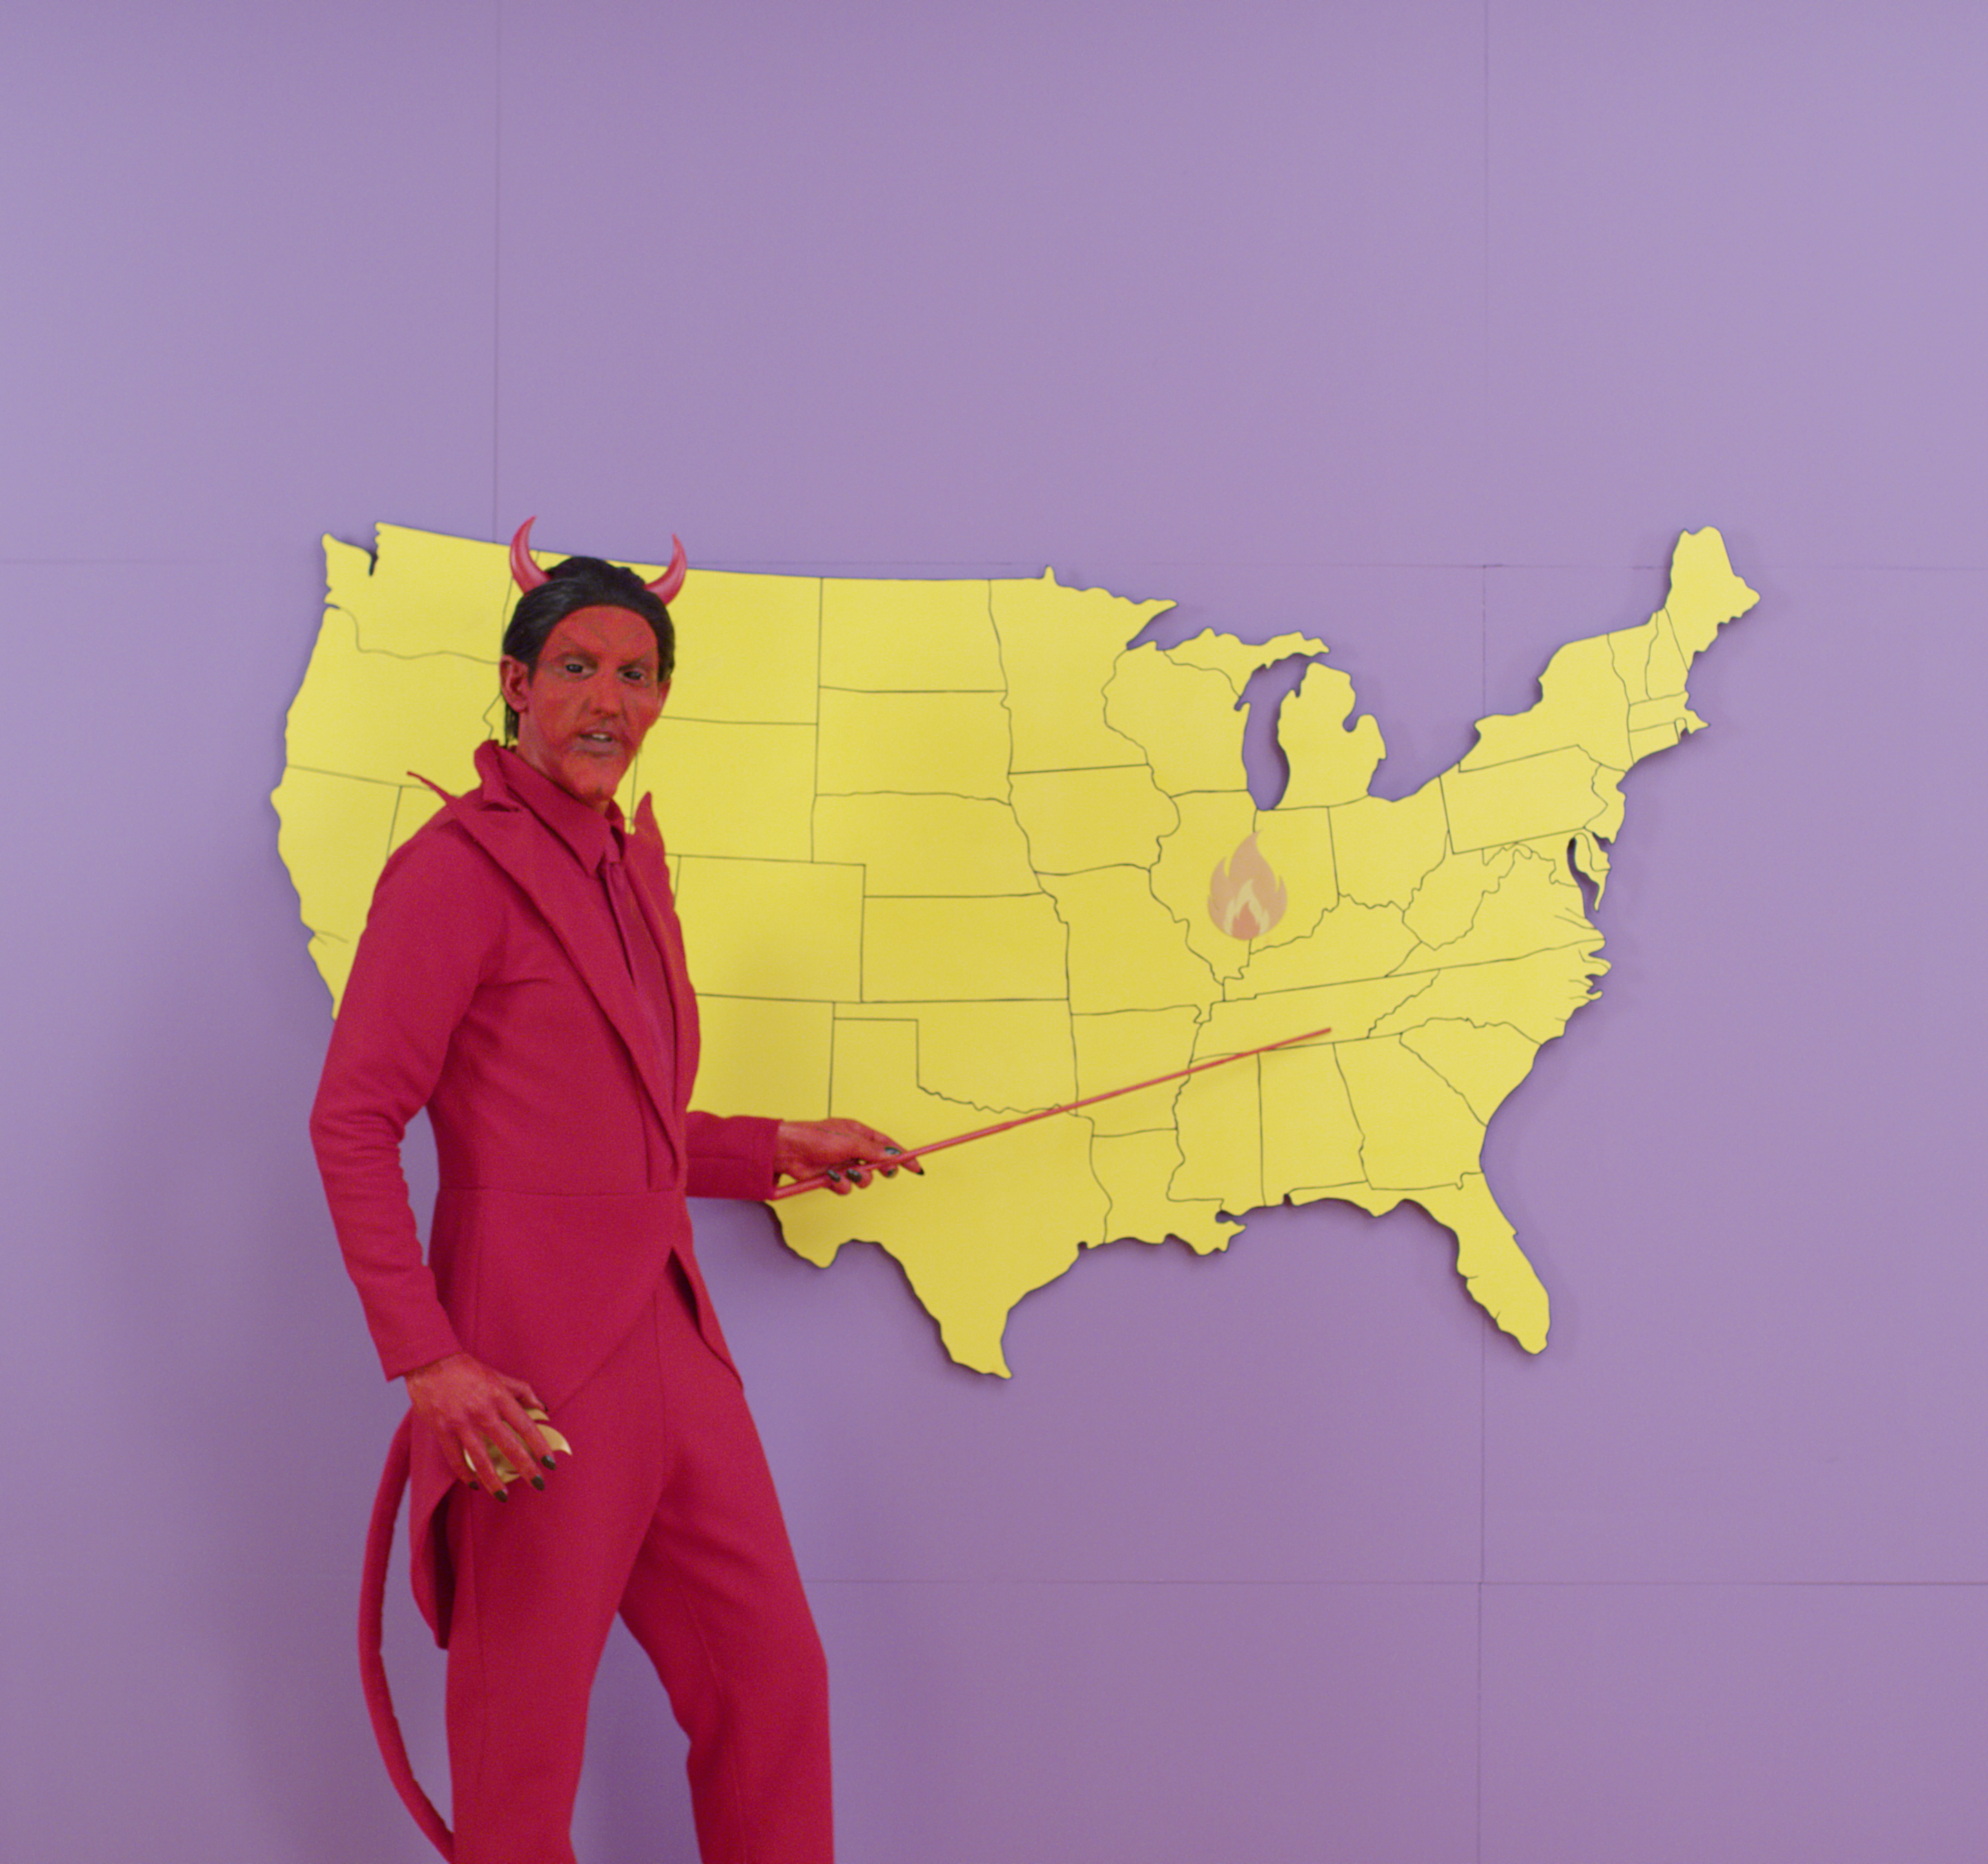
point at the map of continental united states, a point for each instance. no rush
(948, 851)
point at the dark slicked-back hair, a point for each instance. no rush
(584, 582)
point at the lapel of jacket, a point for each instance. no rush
(572, 903)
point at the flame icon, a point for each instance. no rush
(1244, 897)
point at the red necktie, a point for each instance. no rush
(645, 963)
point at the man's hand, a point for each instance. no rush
(844, 1150)
(470, 1409)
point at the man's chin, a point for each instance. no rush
(594, 780)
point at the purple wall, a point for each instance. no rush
(1425, 326)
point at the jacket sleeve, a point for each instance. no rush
(730, 1157)
(428, 938)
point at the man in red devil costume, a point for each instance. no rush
(522, 977)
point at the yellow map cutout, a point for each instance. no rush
(943, 851)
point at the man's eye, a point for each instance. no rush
(637, 676)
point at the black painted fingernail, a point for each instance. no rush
(893, 1152)
(834, 1177)
(500, 1495)
(539, 1483)
(548, 1463)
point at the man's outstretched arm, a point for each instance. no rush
(741, 1157)
(845, 1150)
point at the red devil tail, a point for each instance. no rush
(372, 1669)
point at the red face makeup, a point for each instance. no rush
(584, 710)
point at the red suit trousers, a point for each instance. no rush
(665, 1514)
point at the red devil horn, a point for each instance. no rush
(671, 579)
(526, 573)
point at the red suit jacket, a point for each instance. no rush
(491, 987)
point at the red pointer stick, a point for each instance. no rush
(820, 1180)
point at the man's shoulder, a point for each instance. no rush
(468, 830)
(443, 853)
(438, 892)
(480, 847)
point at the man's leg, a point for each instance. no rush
(538, 1579)
(715, 1599)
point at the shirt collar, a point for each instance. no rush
(593, 838)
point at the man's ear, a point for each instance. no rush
(514, 681)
